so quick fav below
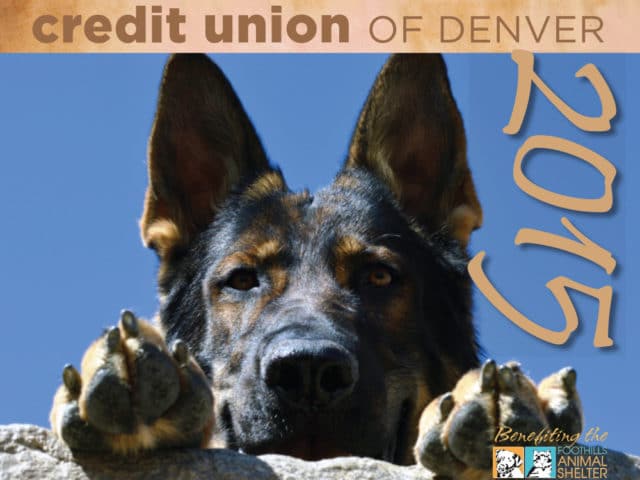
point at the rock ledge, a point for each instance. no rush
(30, 452)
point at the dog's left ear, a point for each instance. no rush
(410, 134)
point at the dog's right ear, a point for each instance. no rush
(202, 145)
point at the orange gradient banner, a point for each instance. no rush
(320, 26)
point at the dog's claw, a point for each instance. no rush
(446, 405)
(180, 352)
(488, 376)
(569, 378)
(514, 366)
(129, 323)
(113, 339)
(72, 380)
(506, 378)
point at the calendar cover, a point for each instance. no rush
(403, 233)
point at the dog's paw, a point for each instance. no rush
(459, 429)
(133, 393)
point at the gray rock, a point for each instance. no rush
(30, 452)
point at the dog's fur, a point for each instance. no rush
(324, 324)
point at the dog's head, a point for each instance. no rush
(326, 322)
(506, 462)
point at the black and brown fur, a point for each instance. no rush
(323, 324)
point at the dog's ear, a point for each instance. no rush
(410, 134)
(202, 144)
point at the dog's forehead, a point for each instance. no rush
(354, 205)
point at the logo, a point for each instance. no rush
(508, 462)
(540, 462)
(550, 454)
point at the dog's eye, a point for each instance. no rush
(379, 276)
(243, 279)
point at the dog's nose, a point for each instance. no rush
(308, 374)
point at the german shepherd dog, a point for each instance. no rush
(318, 325)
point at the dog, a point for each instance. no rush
(316, 326)
(508, 464)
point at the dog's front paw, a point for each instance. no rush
(133, 393)
(459, 429)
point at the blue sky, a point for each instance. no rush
(74, 131)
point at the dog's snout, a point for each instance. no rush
(308, 374)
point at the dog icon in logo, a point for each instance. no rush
(540, 462)
(508, 462)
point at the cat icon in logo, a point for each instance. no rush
(508, 462)
(540, 462)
